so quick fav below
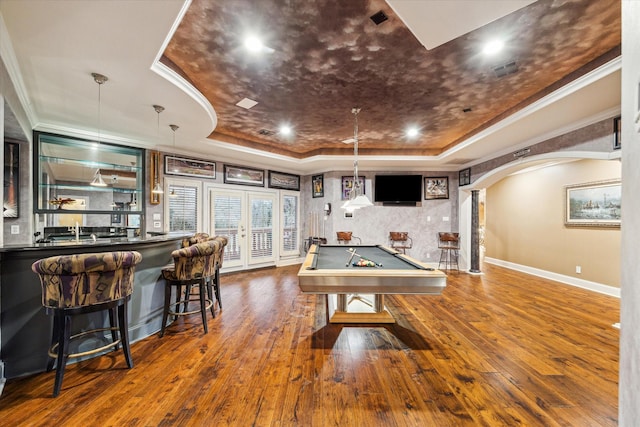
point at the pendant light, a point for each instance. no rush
(356, 199)
(97, 180)
(157, 188)
(174, 128)
(100, 79)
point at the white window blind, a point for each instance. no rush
(183, 208)
(289, 223)
(261, 228)
(227, 214)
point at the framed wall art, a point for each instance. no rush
(116, 217)
(189, 167)
(11, 180)
(243, 176)
(436, 187)
(347, 185)
(285, 181)
(594, 204)
(464, 177)
(617, 141)
(317, 186)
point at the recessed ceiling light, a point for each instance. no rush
(285, 130)
(247, 103)
(412, 132)
(493, 47)
(253, 44)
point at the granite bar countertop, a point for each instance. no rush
(99, 242)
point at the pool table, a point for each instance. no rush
(333, 270)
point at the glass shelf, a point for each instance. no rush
(92, 188)
(94, 164)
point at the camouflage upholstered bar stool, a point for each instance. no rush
(86, 283)
(193, 265)
(215, 280)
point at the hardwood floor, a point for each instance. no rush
(503, 348)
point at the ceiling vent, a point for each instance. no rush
(505, 69)
(266, 132)
(379, 18)
(247, 103)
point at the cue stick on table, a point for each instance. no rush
(353, 253)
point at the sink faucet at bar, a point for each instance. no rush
(77, 229)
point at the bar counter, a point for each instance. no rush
(25, 328)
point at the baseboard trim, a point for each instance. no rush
(580, 283)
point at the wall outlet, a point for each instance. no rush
(445, 218)
(428, 219)
(15, 229)
(428, 255)
(578, 269)
(157, 224)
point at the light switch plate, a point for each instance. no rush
(157, 217)
(15, 229)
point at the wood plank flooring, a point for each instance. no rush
(501, 349)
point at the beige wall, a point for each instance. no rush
(525, 223)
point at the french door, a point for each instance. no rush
(247, 219)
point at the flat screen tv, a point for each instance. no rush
(398, 189)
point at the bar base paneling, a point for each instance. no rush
(26, 328)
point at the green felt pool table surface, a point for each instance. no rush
(325, 270)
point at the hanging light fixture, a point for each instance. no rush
(356, 198)
(134, 201)
(97, 180)
(157, 188)
(174, 128)
(100, 79)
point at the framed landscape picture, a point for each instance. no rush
(595, 204)
(436, 187)
(243, 176)
(286, 181)
(189, 167)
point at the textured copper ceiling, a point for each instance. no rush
(328, 57)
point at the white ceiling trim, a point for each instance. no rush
(542, 103)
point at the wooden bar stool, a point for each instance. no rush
(449, 245)
(81, 284)
(400, 241)
(193, 265)
(346, 237)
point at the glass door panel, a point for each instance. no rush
(227, 208)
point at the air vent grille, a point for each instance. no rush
(266, 132)
(379, 18)
(505, 69)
